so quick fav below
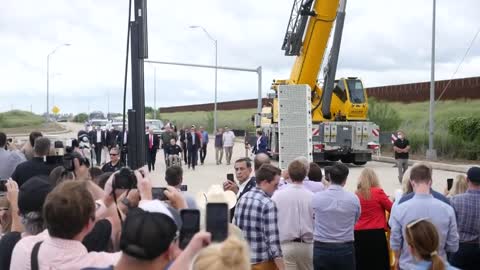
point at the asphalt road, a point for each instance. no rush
(209, 174)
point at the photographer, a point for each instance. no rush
(174, 178)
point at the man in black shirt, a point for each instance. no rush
(401, 148)
(174, 152)
(36, 166)
(115, 164)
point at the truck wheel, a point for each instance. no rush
(360, 163)
(346, 160)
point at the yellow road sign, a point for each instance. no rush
(55, 110)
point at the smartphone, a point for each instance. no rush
(158, 194)
(183, 188)
(3, 187)
(449, 183)
(230, 177)
(190, 226)
(217, 221)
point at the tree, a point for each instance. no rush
(80, 118)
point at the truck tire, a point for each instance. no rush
(347, 159)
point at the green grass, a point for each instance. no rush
(13, 119)
(414, 121)
(236, 119)
(415, 115)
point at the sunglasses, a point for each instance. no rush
(113, 154)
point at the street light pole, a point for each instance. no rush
(216, 70)
(432, 153)
(48, 77)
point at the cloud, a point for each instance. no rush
(384, 42)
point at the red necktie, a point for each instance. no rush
(150, 144)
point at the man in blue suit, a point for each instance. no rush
(261, 145)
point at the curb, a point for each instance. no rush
(435, 165)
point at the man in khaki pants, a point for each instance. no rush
(295, 219)
(228, 142)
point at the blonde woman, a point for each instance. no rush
(460, 185)
(232, 254)
(371, 249)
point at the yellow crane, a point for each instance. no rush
(338, 109)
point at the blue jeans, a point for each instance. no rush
(330, 256)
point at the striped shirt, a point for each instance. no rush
(256, 215)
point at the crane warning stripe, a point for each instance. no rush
(376, 132)
(315, 131)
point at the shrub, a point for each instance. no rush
(80, 118)
(384, 115)
(467, 128)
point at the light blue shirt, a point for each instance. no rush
(423, 206)
(204, 137)
(425, 265)
(335, 212)
(9, 161)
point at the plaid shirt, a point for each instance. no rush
(256, 216)
(467, 210)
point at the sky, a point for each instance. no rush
(384, 43)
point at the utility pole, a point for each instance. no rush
(431, 152)
(136, 116)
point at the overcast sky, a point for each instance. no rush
(385, 42)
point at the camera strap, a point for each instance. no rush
(34, 256)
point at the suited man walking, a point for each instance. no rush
(245, 178)
(122, 142)
(193, 144)
(261, 145)
(98, 141)
(153, 143)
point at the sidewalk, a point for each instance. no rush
(435, 165)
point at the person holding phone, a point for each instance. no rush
(9, 157)
(262, 234)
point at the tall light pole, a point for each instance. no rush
(432, 153)
(48, 76)
(216, 69)
(154, 92)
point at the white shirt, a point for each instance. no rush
(242, 186)
(295, 213)
(125, 137)
(193, 137)
(99, 136)
(228, 139)
(56, 253)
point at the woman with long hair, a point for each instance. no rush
(371, 249)
(423, 241)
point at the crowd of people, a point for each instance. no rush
(81, 216)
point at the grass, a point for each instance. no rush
(19, 122)
(236, 119)
(414, 121)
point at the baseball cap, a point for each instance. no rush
(148, 231)
(473, 174)
(32, 194)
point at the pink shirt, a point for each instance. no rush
(56, 253)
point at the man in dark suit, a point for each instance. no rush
(98, 141)
(243, 173)
(153, 143)
(112, 138)
(122, 141)
(193, 144)
(261, 144)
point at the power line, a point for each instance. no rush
(458, 67)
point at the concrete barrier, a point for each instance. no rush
(435, 165)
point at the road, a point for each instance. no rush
(210, 173)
